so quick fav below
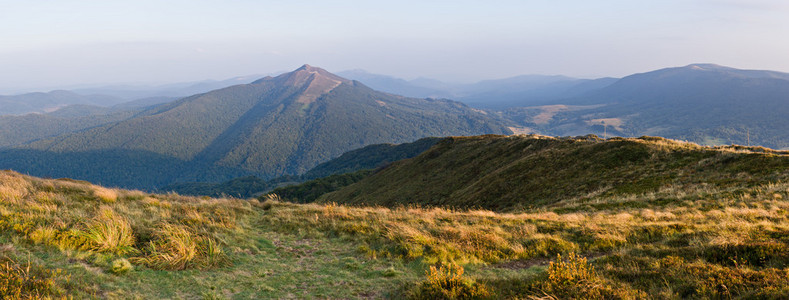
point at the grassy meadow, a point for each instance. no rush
(63, 238)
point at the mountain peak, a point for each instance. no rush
(313, 81)
(308, 68)
(707, 67)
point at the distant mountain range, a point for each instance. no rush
(119, 96)
(704, 103)
(518, 91)
(271, 127)
(173, 90)
(49, 102)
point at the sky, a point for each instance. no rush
(47, 44)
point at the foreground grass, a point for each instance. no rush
(70, 238)
(675, 243)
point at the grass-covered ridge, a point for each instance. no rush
(507, 173)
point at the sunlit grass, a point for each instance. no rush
(719, 232)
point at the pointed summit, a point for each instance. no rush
(307, 67)
(314, 82)
(301, 75)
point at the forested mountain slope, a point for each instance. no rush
(271, 127)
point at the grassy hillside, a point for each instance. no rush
(65, 237)
(513, 172)
(70, 238)
(370, 157)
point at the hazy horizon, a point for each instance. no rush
(62, 44)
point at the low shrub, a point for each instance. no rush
(447, 282)
(25, 281)
(572, 277)
(121, 266)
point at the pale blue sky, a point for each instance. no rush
(58, 43)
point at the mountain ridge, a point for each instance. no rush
(703, 103)
(510, 173)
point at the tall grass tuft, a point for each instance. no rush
(109, 233)
(176, 247)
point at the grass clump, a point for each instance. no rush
(448, 282)
(109, 233)
(121, 266)
(176, 247)
(572, 277)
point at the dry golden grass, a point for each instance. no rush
(176, 247)
(106, 195)
(83, 220)
(109, 232)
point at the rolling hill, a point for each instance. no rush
(506, 173)
(271, 127)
